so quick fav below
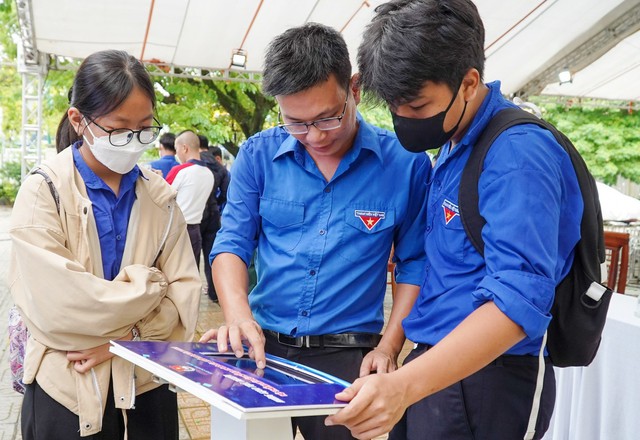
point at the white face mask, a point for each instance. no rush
(120, 160)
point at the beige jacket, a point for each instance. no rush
(57, 282)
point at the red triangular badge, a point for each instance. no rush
(448, 214)
(369, 221)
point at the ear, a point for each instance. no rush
(470, 84)
(75, 119)
(355, 87)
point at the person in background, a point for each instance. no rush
(221, 196)
(194, 183)
(210, 223)
(109, 260)
(205, 154)
(322, 198)
(167, 154)
(479, 322)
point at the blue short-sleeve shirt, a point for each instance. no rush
(164, 164)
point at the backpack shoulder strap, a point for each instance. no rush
(468, 193)
(52, 187)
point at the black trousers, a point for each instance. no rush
(343, 363)
(155, 417)
(492, 404)
(208, 231)
(196, 241)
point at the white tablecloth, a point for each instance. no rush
(602, 401)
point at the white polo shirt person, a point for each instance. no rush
(194, 182)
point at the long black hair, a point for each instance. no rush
(103, 81)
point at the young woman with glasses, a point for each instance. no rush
(100, 253)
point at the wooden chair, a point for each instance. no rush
(617, 247)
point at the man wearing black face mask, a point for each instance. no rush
(479, 321)
(422, 134)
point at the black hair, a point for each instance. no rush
(204, 142)
(303, 57)
(216, 151)
(103, 82)
(409, 42)
(168, 141)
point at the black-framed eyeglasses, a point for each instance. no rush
(324, 124)
(119, 137)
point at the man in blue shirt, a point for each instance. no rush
(167, 154)
(479, 322)
(322, 198)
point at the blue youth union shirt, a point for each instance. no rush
(323, 246)
(110, 211)
(164, 164)
(530, 197)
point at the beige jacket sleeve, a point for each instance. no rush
(67, 307)
(175, 318)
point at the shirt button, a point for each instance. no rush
(428, 228)
(312, 272)
(305, 313)
(118, 237)
(322, 232)
(327, 189)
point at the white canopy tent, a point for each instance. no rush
(617, 206)
(528, 42)
(598, 41)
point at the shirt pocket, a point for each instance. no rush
(366, 233)
(282, 222)
(452, 237)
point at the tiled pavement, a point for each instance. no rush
(194, 413)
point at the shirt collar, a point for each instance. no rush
(366, 138)
(492, 104)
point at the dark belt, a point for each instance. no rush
(342, 340)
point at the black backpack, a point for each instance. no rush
(580, 306)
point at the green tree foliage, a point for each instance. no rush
(226, 112)
(55, 101)
(9, 182)
(10, 101)
(10, 27)
(10, 81)
(376, 114)
(608, 139)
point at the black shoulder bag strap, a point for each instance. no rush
(52, 187)
(468, 193)
(468, 200)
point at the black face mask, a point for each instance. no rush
(419, 135)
